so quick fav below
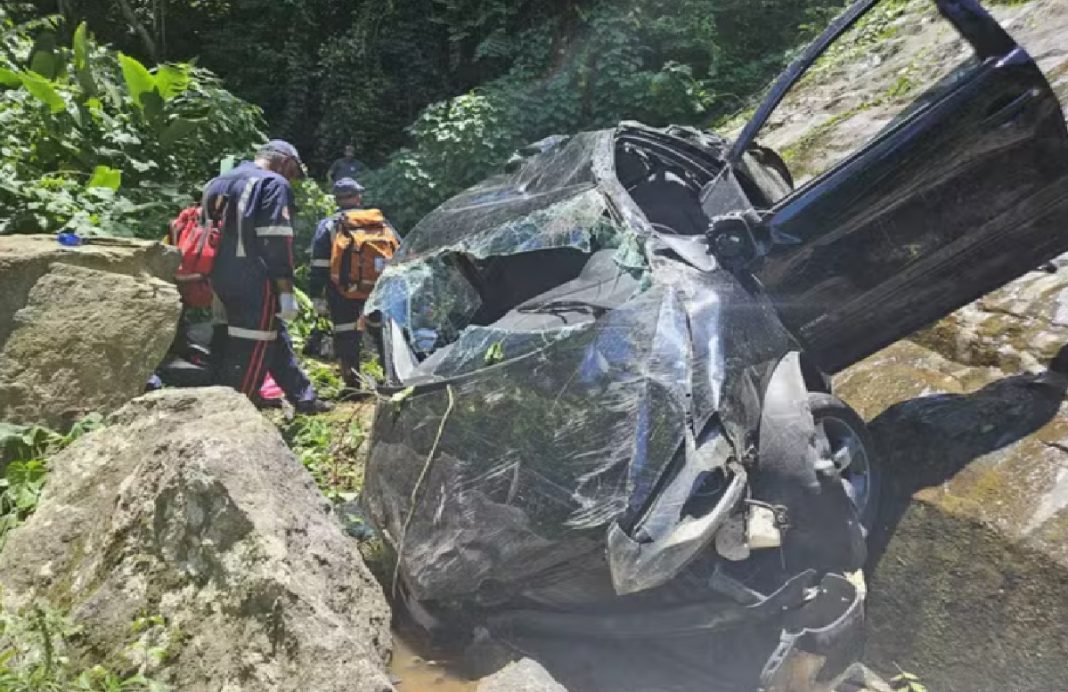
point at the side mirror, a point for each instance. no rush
(733, 238)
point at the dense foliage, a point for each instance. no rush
(93, 141)
(436, 93)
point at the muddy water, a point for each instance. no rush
(415, 670)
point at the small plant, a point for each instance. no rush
(372, 368)
(327, 446)
(907, 682)
(20, 489)
(34, 657)
(494, 354)
(24, 449)
(155, 642)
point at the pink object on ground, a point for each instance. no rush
(270, 389)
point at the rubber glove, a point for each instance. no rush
(320, 306)
(287, 307)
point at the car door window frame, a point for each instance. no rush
(987, 39)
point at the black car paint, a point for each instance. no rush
(955, 198)
(959, 196)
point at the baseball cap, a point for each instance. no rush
(347, 187)
(280, 146)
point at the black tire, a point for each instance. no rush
(838, 420)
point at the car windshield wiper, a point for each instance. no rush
(563, 305)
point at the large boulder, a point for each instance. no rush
(524, 675)
(186, 527)
(81, 328)
(969, 572)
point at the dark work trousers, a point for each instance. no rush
(345, 314)
(254, 342)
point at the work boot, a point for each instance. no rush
(262, 403)
(313, 407)
(350, 373)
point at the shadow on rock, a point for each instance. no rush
(927, 441)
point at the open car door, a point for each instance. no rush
(963, 191)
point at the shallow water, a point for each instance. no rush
(414, 671)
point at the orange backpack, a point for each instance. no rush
(363, 245)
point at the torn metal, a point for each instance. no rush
(609, 378)
(608, 409)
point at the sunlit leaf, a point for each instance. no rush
(172, 80)
(42, 88)
(105, 177)
(137, 77)
(81, 61)
(9, 77)
(81, 47)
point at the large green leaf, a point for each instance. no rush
(81, 47)
(178, 129)
(44, 90)
(105, 177)
(81, 61)
(138, 79)
(9, 77)
(172, 80)
(152, 104)
(43, 58)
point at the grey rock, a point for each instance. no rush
(525, 675)
(971, 548)
(189, 510)
(81, 329)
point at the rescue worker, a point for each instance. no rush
(348, 166)
(253, 274)
(345, 312)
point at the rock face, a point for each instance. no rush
(81, 329)
(525, 675)
(969, 571)
(187, 529)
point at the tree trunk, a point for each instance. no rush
(146, 37)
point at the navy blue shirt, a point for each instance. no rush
(256, 207)
(345, 168)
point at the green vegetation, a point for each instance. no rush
(93, 141)
(34, 642)
(907, 682)
(327, 445)
(23, 450)
(434, 93)
(34, 657)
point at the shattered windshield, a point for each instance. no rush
(508, 266)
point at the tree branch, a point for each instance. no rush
(146, 37)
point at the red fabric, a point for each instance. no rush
(256, 374)
(198, 245)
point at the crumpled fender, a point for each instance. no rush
(823, 531)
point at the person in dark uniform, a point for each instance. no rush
(348, 166)
(253, 274)
(344, 312)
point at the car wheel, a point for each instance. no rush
(844, 440)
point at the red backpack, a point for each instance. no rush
(198, 241)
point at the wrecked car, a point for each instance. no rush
(608, 368)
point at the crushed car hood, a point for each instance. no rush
(515, 444)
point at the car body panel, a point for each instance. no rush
(964, 191)
(562, 355)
